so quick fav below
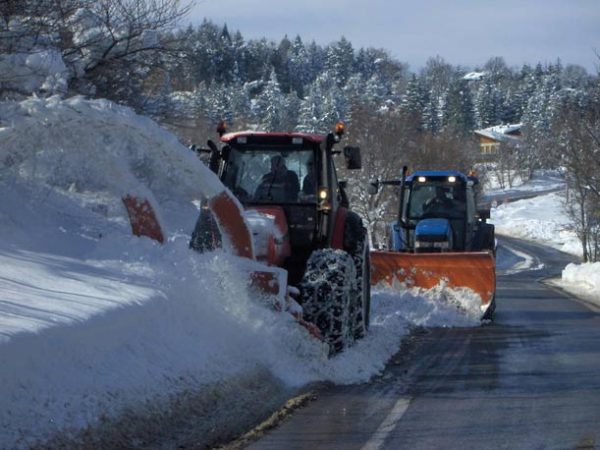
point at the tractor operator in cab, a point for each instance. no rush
(279, 184)
(309, 182)
(440, 202)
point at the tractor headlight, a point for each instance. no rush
(323, 197)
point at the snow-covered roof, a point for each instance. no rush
(501, 133)
(475, 76)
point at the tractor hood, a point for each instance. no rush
(433, 230)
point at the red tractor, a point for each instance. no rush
(298, 216)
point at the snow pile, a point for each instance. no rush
(96, 324)
(542, 219)
(583, 280)
(436, 307)
(586, 275)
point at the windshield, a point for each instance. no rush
(264, 175)
(430, 200)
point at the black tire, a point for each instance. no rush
(326, 290)
(206, 236)
(489, 238)
(356, 244)
(489, 312)
(485, 238)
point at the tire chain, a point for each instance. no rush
(329, 275)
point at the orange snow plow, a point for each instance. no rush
(439, 237)
(474, 270)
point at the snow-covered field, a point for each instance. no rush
(115, 340)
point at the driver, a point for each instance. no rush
(309, 181)
(280, 177)
(439, 202)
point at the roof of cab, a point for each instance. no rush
(265, 136)
(440, 174)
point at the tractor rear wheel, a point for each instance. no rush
(357, 245)
(327, 288)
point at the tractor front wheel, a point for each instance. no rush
(327, 289)
(357, 245)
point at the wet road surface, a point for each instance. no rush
(530, 380)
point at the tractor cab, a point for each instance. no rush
(290, 177)
(295, 216)
(439, 211)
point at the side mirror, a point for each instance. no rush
(343, 184)
(352, 156)
(373, 187)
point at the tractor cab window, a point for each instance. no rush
(429, 200)
(264, 175)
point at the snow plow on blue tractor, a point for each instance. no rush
(294, 218)
(439, 236)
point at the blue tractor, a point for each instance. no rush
(439, 234)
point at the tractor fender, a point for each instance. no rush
(228, 214)
(269, 227)
(337, 239)
(226, 210)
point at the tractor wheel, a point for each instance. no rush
(357, 245)
(206, 236)
(489, 238)
(327, 288)
(489, 313)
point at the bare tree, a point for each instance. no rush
(385, 140)
(108, 46)
(579, 132)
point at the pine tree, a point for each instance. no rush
(414, 103)
(458, 112)
(340, 61)
(279, 61)
(218, 104)
(488, 104)
(299, 67)
(322, 107)
(269, 105)
(538, 121)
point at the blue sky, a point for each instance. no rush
(466, 32)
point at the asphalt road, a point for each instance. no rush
(530, 380)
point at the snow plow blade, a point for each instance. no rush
(473, 270)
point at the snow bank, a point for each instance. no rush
(542, 180)
(542, 219)
(583, 280)
(586, 275)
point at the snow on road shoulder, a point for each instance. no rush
(582, 280)
(543, 180)
(541, 219)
